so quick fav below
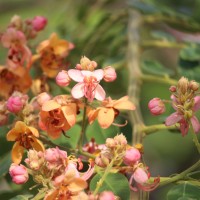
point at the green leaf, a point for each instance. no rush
(22, 197)
(154, 67)
(117, 183)
(190, 53)
(100, 135)
(5, 164)
(73, 134)
(184, 192)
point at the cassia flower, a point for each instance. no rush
(25, 137)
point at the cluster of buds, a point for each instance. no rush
(186, 102)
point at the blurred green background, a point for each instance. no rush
(99, 31)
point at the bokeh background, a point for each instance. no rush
(98, 28)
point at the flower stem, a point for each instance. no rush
(196, 141)
(181, 176)
(157, 127)
(80, 142)
(107, 171)
(156, 79)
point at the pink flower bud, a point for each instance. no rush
(156, 106)
(42, 98)
(140, 175)
(39, 23)
(18, 173)
(132, 156)
(107, 195)
(14, 104)
(109, 74)
(63, 79)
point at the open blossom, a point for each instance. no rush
(186, 104)
(25, 137)
(18, 53)
(18, 173)
(88, 84)
(57, 115)
(51, 53)
(106, 113)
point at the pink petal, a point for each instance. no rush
(184, 127)
(98, 74)
(173, 119)
(100, 93)
(195, 124)
(86, 73)
(78, 90)
(196, 103)
(76, 75)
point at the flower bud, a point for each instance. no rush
(172, 88)
(183, 85)
(140, 175)
(39, 23)
(120, 140)
(132, 155)
(109, 74)
(86, 64)
(14, 104)
(156, 106)
(63, 79)
(107, 195)
(18, 173)
(194, 85)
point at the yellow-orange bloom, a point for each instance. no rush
(25, 137)
(51, 53)
(109, 110)
(57, 115)
(70, 188)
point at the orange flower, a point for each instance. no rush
(109, 110)
(70, 188)
(57, 115)
(51, 53)
(25, 137)
(11, 80)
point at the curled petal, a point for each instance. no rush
(184, 127)
(173, 119)
(196, 103)
(78, 91)
(37, 145)
(50, 105)
(76, 75)
(149, 186)
(100, 93)
(195, 124)
(106, 117)
(70, 113)
(17, 153)
(124, 103)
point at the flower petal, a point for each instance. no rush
(17, 153)
(34, 131)
(124, 103)
(173, 119)
(37, 145)
(69, 112)
(100, 94)
(78, 91)
(184, 127)
(76, 75)
(50, 105)
(195, 124)
(99, 73)
(196, 103)
(106, 117)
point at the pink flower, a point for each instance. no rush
(107, 195)
(39, 23)
(63, 79)
(156, 106)
(109, 74)
(18, 173)
(131, 156)
(178, 117)
(88, 84)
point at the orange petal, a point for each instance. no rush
(69, 112)
(19, 128)
(124, 103)
(52, 195)
(50, 105)
(77, 185)
(37, 145)
(106, 117)
(17, 153)
(34, 131)
(92, 115)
